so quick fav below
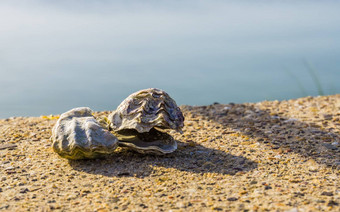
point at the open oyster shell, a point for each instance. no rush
(77, 135)
(146, 109)
(140, 117)
(153, 142)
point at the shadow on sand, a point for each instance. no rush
(276, 131)
(197, 159)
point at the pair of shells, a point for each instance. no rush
(138, 124)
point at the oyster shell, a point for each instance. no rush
(78, 135)
(140, 118)
(153, 142)
(146, 109)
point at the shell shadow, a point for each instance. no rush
(194, 159)
(308, 139)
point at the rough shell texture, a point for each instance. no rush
(145, 110)
(77, 135)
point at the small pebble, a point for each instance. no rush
(23, 190)
(10, 168)
(292, 210)
(232, 199)
(332, 203)
(327, 193)
(329, 146)
(7, 146)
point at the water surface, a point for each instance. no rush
(58, 55)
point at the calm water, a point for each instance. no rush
(60, 55)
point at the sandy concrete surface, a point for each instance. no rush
(266, 156)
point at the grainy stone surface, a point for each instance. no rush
(272, 155)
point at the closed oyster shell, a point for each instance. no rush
(77, 135)
(146, 109)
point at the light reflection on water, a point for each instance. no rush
(56, 56)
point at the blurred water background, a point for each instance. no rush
(56, 55)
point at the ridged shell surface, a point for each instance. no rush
(146, 109)
(78, 135)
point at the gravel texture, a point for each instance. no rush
(271, 155)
